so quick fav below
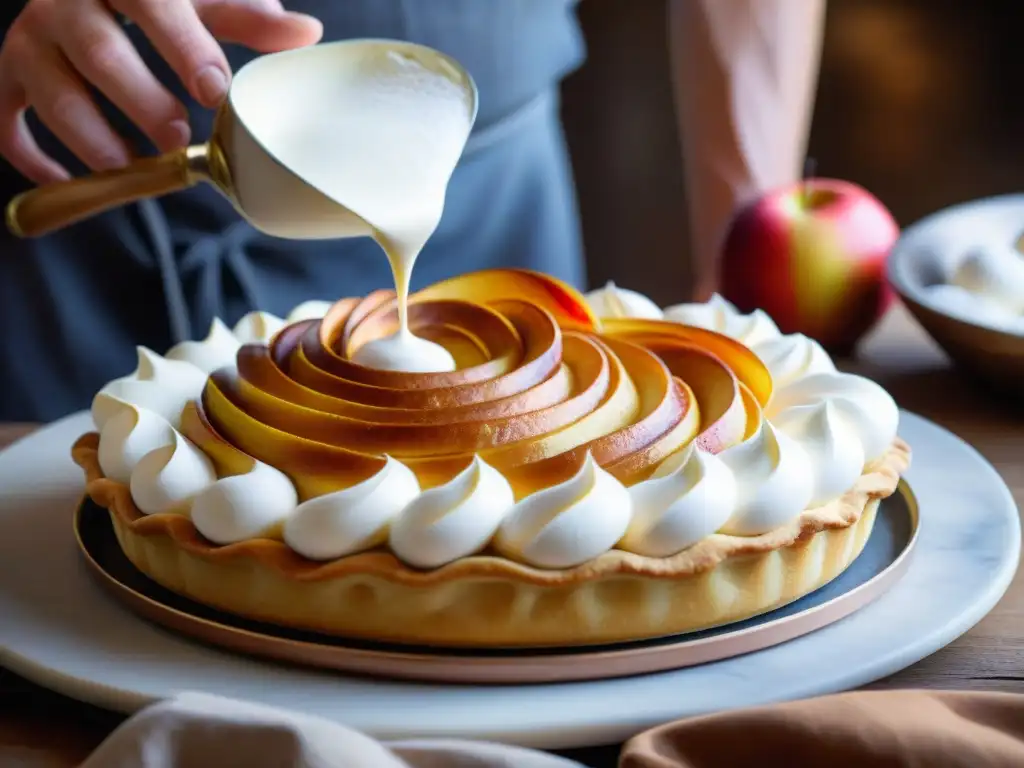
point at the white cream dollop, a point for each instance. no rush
(973, 308)
(690, 496)
(793, 357)
(157, 384)
(129, 435)
(774, 478)
(613, 301)
(167, 479)
(570, 523)
(257, 328)
(866, 406)
(719, 315)
(404, 351)
(314, 309)
(452, 520)
(245, 506)
(217, 350)
(831, 443)
(353, 519)
(994, 272)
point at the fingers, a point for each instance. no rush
(187, 36)
(16, 141)
(176, 31)
(97, 47)
(62, 102)
(263, 27)
(56, 47)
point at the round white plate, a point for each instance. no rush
(59, 629)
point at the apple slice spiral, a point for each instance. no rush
(568, 409)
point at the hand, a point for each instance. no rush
(55, 47)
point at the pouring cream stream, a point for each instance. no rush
(385, 147)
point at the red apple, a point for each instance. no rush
(812, 255)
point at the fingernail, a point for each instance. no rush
(112, 162)
(212, 85)
(175, 135)
(306, 20)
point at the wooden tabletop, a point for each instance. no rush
(39, 728)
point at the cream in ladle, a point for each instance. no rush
(342, 139)
(384, 144)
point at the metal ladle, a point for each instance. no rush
(239, 159)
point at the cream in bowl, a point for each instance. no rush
(986, 287)
(961, 274)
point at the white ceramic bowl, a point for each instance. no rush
(928, 253)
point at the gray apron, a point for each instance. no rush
(73, 305)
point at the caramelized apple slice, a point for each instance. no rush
(640, 464)
(424, 438)
(667, 420)
(337, 329)
(534, 393)
(564, 302)
(227, 459)
(659, 335)
(258, 372)
(717, 391)
(314, 468)
(754, 412)
(541, 343)
(661, 406)
(619, 408)
(493, 331)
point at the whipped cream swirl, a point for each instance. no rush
(612, 301)
(354, 519)
(831, 443)
(257, 328)
(452, 520)
(792, 357)
(870, 410)
(217, 350)
(774, 479)
(690, 496)
(313, 309)
(570, 523)
(245, 506)
(157, 384)
(129, 435)
(168, 478)
(721, 316)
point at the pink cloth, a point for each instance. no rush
(745, 75)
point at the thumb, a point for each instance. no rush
(262, 25)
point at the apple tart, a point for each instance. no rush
(596, 469)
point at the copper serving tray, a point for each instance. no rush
(883, 561)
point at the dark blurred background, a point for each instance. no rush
(919, 101)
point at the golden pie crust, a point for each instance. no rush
(490, 601)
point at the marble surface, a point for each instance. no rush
(62, 632)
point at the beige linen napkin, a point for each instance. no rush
(196, 730)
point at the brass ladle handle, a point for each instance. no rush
(48, 208)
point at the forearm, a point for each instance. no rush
(745, 73)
